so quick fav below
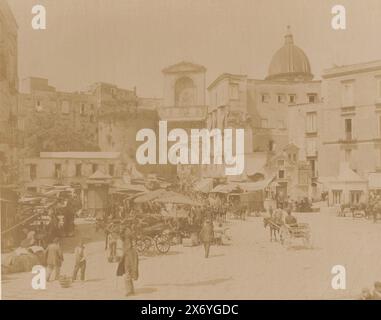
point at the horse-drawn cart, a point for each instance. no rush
(156, 236)
(298, 231)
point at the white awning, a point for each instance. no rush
(346, 174)
(256, 186)
(224, 188)
(204, 185)
(244, 186)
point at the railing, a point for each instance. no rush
(348, 136)
(183, 113)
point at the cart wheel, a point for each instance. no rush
(162, 243)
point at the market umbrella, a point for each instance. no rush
(150, 196)
(127, 187)
(204, 185)
(177, 198)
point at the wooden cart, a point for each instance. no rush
(288, 233)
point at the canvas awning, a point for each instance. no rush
(204, 185)
(150, 196)
(99, 178)
(176, 198)
(346, 174)
(244, 186)
(128, 187)
(256, 186)
(100, 175)
(224, 188)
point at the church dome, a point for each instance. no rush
(290, 63)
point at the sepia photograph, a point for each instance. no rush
(190, 150)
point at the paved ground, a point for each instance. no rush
(251, 268)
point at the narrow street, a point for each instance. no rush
(252, 267)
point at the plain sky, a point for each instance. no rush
(129, 42)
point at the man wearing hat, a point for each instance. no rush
(54, 259)
(129, 265)
(207, 236)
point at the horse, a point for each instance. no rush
(274, 222)
(372, 210)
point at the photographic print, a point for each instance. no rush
(190, 150)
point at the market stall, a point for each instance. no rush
(97, 194)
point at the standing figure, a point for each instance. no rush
(53, 230)
(207, 236)
(129, 265)
(290, 220)
(54, 259)
(113, 237)
(80, 261)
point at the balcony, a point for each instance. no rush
(348, 111)
(183, 113)
(348, 139)
(311, 133)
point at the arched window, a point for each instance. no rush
(185, 92)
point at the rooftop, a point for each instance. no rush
(338, 71)
(184, 66)
(224, 76)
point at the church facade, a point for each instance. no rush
(261, 107)
(184, 106)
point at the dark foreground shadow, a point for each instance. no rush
(216, 255)
(194, 284)
(146, 290)
(302, 247)
(94, 280)
(153, 254)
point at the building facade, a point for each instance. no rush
(9, 134)
(53, 120)
(121, 114)
(306, 127)
(285, 114)
(346, 127)
(261, 107)
(352, 129)
(184, 107)
(69, 168)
